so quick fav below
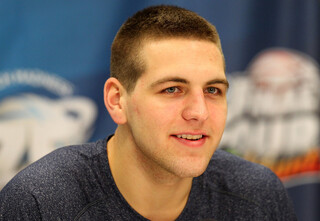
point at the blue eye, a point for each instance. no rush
(171, 90)
(212, 90)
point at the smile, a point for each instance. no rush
(190, 137)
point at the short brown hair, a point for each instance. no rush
(154, 23)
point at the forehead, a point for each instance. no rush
(184, 58)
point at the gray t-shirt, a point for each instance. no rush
(75, 183)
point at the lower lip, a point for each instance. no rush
(190, 143)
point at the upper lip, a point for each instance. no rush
(191, 133)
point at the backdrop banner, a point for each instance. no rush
(54, 60)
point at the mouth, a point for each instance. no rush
(191, 139)
(190, 136)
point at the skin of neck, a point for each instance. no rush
(154, 193)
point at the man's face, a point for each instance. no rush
(176, 114)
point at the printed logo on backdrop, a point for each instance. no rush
(273, 115)
(39, 113)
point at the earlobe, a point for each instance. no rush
(113, 96)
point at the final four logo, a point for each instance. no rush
(274, 113)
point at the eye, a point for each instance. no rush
(212, 90)
(171, 90)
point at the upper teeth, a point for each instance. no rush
(189, 137)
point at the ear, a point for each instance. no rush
(113, 97)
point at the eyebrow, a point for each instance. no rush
(219, 81)
(182, 80)
(169, 79)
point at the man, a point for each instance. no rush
(167, 93)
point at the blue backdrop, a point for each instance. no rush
(54, 59)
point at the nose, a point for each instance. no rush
(195, 107)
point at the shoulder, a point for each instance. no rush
(232, 166)
(67, 174)
(62, 161)
(239, 175)
(248, 182)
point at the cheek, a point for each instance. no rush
(219, 115)
(135, 107)
(155, 113)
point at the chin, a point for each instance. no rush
(192, 171)
(191, 174)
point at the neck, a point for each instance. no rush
(152, 192)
